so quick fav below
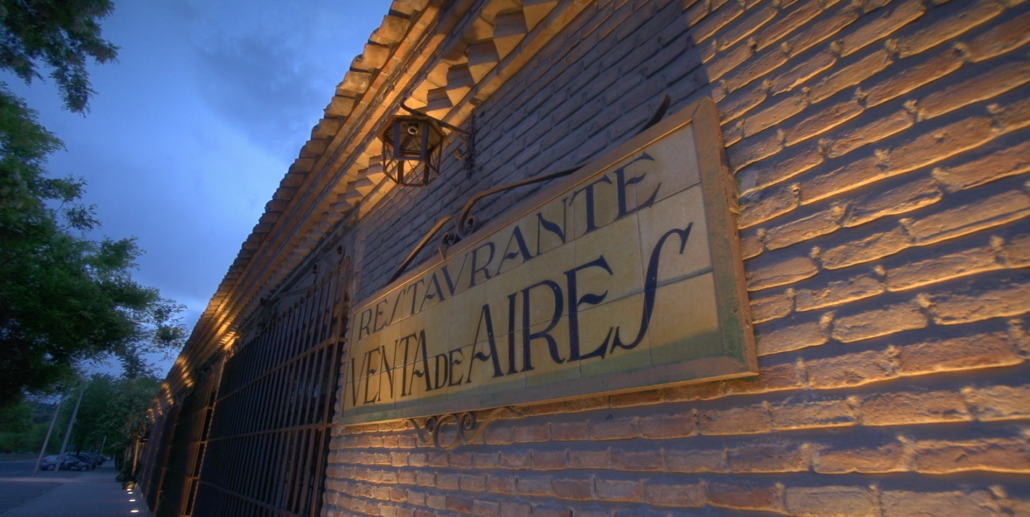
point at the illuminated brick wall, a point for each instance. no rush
(881, 150)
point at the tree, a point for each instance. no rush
(64, 298)
(16, 418)
(113, 411)
(23, 426)
(63, 35)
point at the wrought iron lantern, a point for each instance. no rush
(413, 146)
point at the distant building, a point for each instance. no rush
(832, 194)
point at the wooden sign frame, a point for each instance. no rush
(730, 347)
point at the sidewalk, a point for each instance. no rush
(57, 494)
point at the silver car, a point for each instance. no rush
(70, 463)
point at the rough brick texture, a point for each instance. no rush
(880, 148)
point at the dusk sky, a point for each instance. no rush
(192, 129)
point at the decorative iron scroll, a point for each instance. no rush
(429, 430)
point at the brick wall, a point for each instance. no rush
(881, 152)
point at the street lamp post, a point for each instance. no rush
(68, 432)
(46, 441)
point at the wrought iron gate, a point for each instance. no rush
(268, 445)
(251, 437)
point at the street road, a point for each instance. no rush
(23, 468)
(18, 468)
(14, 494)
(63, 493)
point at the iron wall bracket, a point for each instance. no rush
(428, 429)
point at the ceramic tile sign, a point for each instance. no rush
(625, 276)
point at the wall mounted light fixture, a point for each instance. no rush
(413, 146)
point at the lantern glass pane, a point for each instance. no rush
(414, 139)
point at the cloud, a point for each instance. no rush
(193, 128)
(258, 87)
(273, 68)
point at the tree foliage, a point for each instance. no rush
(62, 35)
(113, 414)
(23, 426)
(16, 418)
(115, 409)
(64, 297)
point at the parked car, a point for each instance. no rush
(93, 458)
(48, 463)
(87, 458)
(70, 463)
